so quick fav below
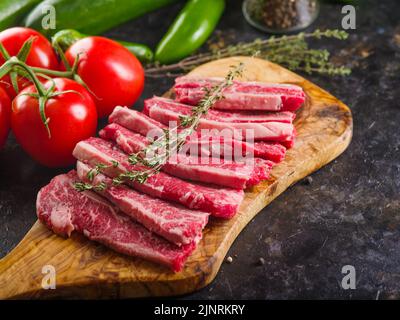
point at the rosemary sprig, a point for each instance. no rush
(292, 52)
(170, 142)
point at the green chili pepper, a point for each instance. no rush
(190, 30)
(66, 38)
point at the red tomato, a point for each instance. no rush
(111, 72)
(73, 118)
(5, 109)
(41, 55)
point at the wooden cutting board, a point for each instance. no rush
(85, 269)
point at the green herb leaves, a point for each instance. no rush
(170, 142)
(291, 52)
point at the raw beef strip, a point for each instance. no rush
(289, 143)
(242, 95)
(127, 140)
(171, 221)
(218, 146)
(238, 175)
(269, 131)
(130, 119)
(64, 210)
(220, 202)
(222, 116)
(134, 121)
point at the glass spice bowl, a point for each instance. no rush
(280, 16)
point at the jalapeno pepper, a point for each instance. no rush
(190, 30)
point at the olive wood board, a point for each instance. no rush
(85, 269)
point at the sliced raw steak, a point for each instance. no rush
(206, 144)
(135, 121)
(237, 175)
(269, 131)
(220, 202)
(222, 116)
(242, 95)
(171, 221)
(216, 146)
(65, 210)
(130, 142)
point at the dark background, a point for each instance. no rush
(349, 214)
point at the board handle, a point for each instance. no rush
(21, 270)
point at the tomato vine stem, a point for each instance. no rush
(15, 65)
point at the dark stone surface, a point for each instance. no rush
(348, 214)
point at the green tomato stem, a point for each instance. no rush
(54, 73)
(14, 61)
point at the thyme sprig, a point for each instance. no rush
(82, 186)
(292, 52)
(168, 143)
(98, 169)
(172, 140)
(92, 173)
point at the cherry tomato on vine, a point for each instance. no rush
(111, 72)
(41, 54)
(5, 110)
(72, 118)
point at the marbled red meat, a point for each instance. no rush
(220, 202)
(64, 210)
(227, 173)
(242, 95)
(222, 116)
(207, 144)
(260, 131)
(171, 221)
